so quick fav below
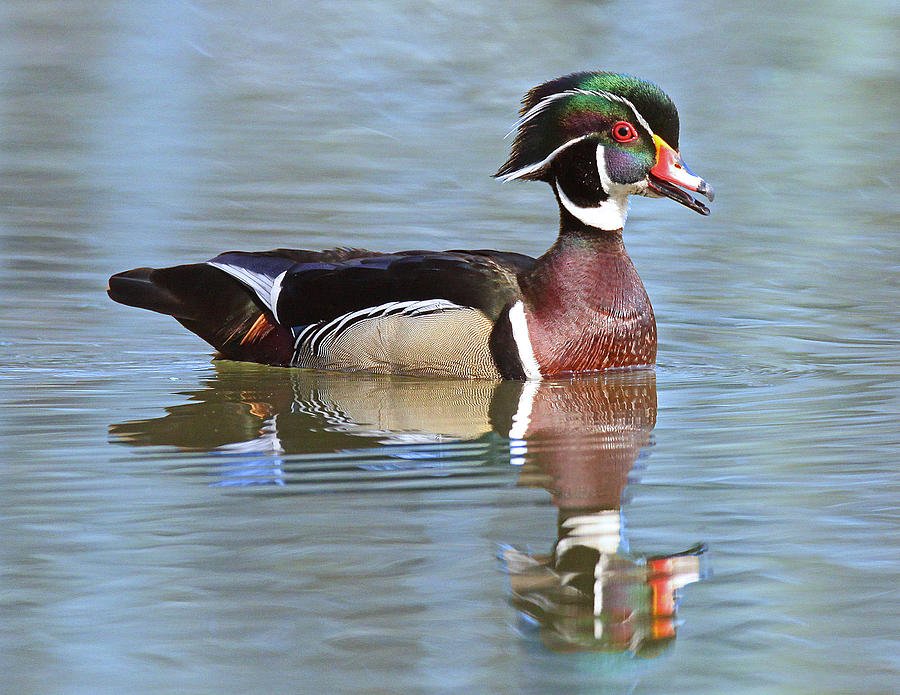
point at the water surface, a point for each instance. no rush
(170, 523)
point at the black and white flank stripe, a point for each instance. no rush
(312, 342)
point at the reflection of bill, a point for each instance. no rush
(577, 439)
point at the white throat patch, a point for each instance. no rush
(612, 212)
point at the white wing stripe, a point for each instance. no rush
(303, 334)
(274, 292)
(261, 284)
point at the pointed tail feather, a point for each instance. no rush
(137, 288)
(211, 304)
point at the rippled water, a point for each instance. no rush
(174, 524)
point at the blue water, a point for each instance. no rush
(170, 523)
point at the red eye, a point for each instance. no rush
(623, 131)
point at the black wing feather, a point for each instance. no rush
(485, 280)
(211, 304)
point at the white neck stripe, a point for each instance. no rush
(523, 341)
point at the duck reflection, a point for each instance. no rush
(577, 439)
(589, 593)
(253, 408)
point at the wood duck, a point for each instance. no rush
(595, 137)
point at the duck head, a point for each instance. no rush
(598, 137)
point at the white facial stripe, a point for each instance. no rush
(546, 101)
(637, 114)
(536, 109)
(543, 104)
(546, 160)
(607, 182)
(617, 190)
(523, 341)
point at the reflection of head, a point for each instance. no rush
(585, 599)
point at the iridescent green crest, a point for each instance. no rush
(583, 105)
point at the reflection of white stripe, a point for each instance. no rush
(518, 449)
(523, 341)
(600, 530)
(522, 418)
(267, 441)
(600, 569)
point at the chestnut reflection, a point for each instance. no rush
(579, 441)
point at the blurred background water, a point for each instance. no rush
(173, 524)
